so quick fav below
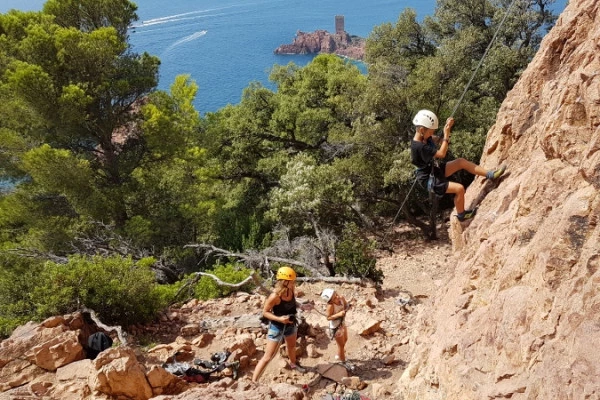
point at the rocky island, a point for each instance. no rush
(322, 41)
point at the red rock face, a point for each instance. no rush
(321, 41)
(520, 318)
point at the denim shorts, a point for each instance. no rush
(277, 332)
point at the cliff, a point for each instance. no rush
(321, 41)
(520, 317)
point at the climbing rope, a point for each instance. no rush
(464, 92)
(482, 58)
(404, 202)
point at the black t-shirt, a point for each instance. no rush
(285, 307)
(422, 155)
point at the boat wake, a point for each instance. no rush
(187, 16)
(180, 17)
(186, 39)
(171, 19)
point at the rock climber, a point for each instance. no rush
(428, 159)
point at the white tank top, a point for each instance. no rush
(334, 323)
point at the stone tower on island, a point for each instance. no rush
(339, 24)
(322, 41)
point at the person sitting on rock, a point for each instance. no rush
(425, 156)
(280, 309)
(336, 313)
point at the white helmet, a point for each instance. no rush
(327, 294)
(426, 118)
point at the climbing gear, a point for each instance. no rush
(187, 372)
(286, 274)
(351, 395)
(495, 174)
(426, 118)
(431, 182)
(467, 214)
(348, 365)
(327, 294)
(331, 332)
(404, 202)
(203, 368)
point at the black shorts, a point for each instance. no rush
(440, 185)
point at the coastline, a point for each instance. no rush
(321, 41)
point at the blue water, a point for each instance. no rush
(226, 44)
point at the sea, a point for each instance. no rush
(224, 45)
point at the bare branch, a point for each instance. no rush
(249, 258)
(333, 279)
(122, 335)
(254, 276)
(32, 253)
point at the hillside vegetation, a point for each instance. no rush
(117, 188)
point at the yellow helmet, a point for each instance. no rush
(286, 273)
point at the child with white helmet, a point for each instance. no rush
(424, 151)
(336, 312)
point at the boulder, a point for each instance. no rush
(118, 373)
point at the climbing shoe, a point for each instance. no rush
(467, 214)
(497, 173)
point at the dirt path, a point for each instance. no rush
(416, 266)
(416, 269)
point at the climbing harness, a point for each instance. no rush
(431, 176)
(332, 331)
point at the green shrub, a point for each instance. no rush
(18, 277)
(207, 288)
(356, 255)
(166, 293)
(121, 291)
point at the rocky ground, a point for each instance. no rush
(414, 270)
(48, 360)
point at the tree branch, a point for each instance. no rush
(333, 279)
(248, 259)
(122, 335)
